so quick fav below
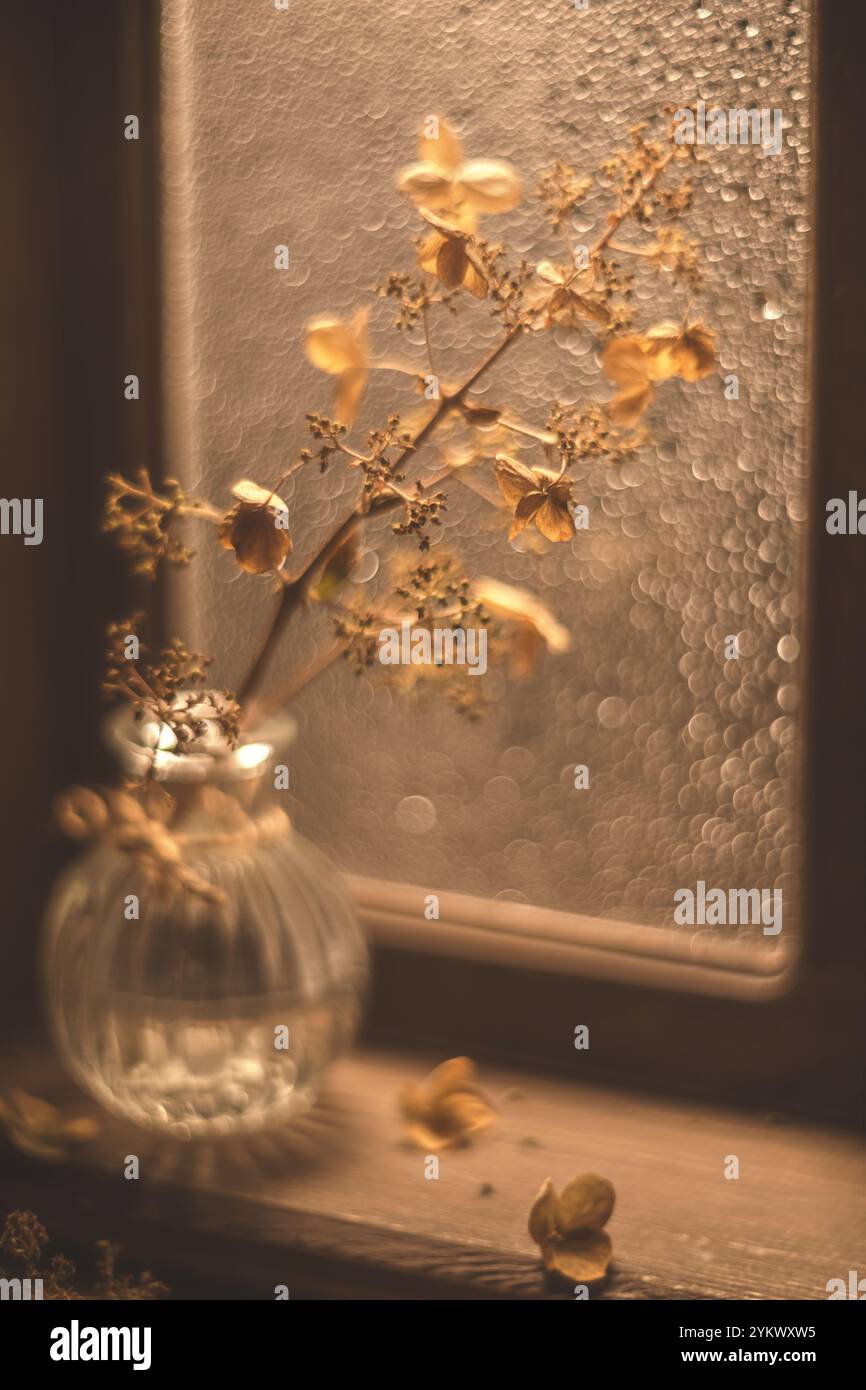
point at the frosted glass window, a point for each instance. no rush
(288, 127)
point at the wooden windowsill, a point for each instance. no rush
(339, 1207)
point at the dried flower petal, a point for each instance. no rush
(457, 1071)
(451, 262)
(341, 349)
(536, 495)
(426, 184)
(447, 1108)
(481, 417)
(256, 530)
(526, 510)
(514, 478)
(517, 605)
(489, 185)
(568, 1227)
(585, 1203)
(634, 361)
(550, 273)
(570, 304)
(441, 180)
(443, 150)
(542, 1216)
(257, 496)
(350, 389)
(582, 1258)
(448, 253)
(333, 346)
(624, 359)
(629, 404)
(567, 308)
(687, 352)
(41, 1129)
(554, 519)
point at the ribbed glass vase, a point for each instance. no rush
(202, 960)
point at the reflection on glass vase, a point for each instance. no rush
(202, 961)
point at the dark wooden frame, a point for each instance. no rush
(80, 311)
(794, 1040)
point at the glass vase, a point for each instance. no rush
(202, 961)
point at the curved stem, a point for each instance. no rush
(299, 681)
(616, 219)
(296, 590)
(389, 364)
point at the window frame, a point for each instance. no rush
(81, 311)
(728, 1023)
(478, 979)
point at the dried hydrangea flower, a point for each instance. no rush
(342, 349)
(452, 194)
(534, 627)
(637, 360)
(37, 1127)
(683, 350)
(448, 254)
(568, 1227)
(447, 1109)
(570, 305)
(256, 529)
(537, 495)
(442, 180)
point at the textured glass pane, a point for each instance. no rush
(287, 127)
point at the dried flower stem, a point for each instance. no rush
(297, 682)
(141, 518)
(296, 589)
(428, 345)
(194, 507)
(616, 219)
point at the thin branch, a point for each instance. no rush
(428, 343)
(352, 453)
(296, 590)
(299, 681)
(390, 364)
(616, 219)
(646, 251)
(191, 507)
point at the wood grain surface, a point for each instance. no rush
(339, 1206)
